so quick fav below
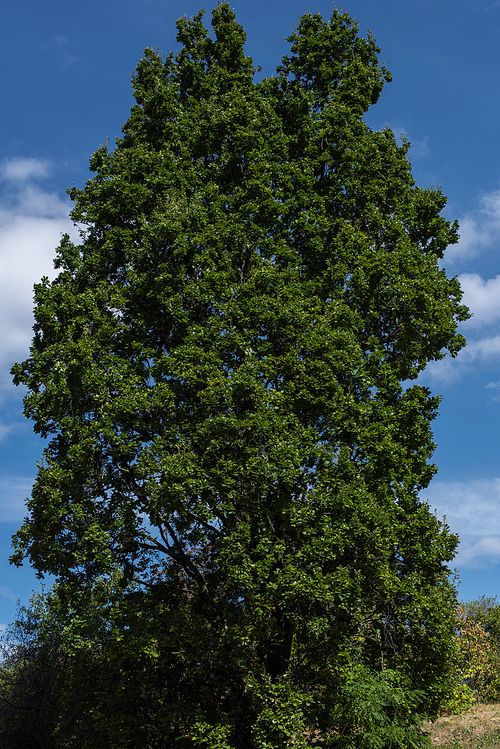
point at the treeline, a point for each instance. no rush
(109, 677)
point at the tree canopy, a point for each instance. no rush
(224, 369)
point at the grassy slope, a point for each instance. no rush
(478, 728)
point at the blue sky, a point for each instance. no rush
(65, 71)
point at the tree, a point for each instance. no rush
(486, 612)
(30, 661)
(81, 677)
(477, 641)
(223, 370)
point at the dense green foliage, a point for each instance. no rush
(222, 370)
(73, 678)
(99, 675)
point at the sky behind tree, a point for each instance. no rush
(66, 72)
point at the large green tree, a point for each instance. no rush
(223, 371)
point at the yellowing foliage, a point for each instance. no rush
(477, 663)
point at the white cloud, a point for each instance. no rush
(32, 201)
(480, 233)
(31, 223)
(22, 169)
(483, 553)
(472, 509)
(483, 349)
(482, 297)
(479, 229)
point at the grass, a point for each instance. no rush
(478, 728)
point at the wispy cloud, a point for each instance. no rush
(486, 4)
(476, 354)
(13, 493)
(419, 148)
(56, 42)
(472, 509)
(5, 430)
(62, 46)
(8, 594)
(495, 386)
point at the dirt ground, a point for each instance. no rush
(472, 729)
